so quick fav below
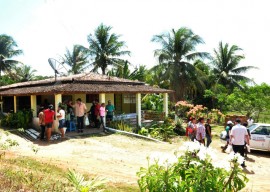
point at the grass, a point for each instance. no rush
(17, 173)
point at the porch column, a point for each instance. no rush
(57, 100)
(15, 104)
(34, 105)
(165, 104)
(138, 109)
(102, 100)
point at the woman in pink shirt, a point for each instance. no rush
(102, 115)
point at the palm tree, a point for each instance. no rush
(22, 73)
(226, 68)
(122, 70)
(176, 55)
(76, 59)
(106, 48)
(7, 51)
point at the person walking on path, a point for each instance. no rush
(61, 118)
(80, 110)
(48, 119)
(41, 122)
(200, 133)
(208, 131)
(192, 128)
(238, 137)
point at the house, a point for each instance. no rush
(124, 94)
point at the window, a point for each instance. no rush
(262, 130)
(129, 98)
(91, 97)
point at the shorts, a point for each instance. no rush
(61, 123)
(48, 125)
(109, 117)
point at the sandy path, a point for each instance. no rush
(118, 158)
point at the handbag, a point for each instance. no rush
(229, 149)
(86, 121)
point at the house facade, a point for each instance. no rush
(124, 94)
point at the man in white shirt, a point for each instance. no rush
(238, 137)
(250, 121)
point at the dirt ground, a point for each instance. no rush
(117, 158)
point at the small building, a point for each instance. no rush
(124, 94)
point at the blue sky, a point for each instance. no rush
(45, 28)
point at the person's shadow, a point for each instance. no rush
(250, 159)
(250, 172)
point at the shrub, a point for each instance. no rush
(21, 119)
(193, 170)
(121, 125)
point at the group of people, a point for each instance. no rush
(199, 130)
(238, 134)
(65, 114)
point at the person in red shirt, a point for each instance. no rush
(48, 119)
(97, 107)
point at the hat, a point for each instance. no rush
(229, 122)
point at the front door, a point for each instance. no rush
(260, 138)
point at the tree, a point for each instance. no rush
(22, 73)
(176, 55)
(106, 48)
(122, 70)
(226, 66)
(251, 100)
(7, 51)
(76, 59)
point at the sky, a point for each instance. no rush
(45, 28)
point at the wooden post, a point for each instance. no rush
(102, 98)
(34, 105)
(138, 109)
(15, 104)
(165, 104)
(57, 100)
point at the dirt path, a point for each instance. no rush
(118, 158)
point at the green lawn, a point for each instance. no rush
(29, 174)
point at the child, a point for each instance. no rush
(102, 115)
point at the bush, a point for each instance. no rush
(21, 119)
(121, 125)
(192, 170)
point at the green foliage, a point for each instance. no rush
(226, 68)
(163, 131)
(31, 175)
(21, 119)
(121, 125)
(152, 102)
(193, 170)
(78, 181)
(178, 49)
(252, 100)
(77, 58)
(8, 49)
(106, 48)
(143, 131)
